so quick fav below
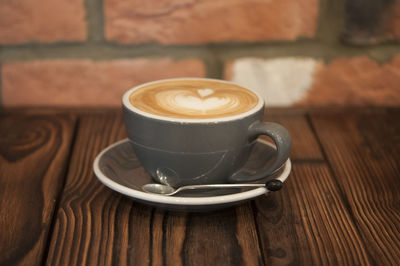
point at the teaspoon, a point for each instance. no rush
(272, 185)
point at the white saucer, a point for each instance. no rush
(118, 168)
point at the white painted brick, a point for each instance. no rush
(281, 81)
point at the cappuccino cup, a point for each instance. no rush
(189, 131)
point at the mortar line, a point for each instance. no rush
(95, 20)
(215, 53)
(1, 83)
(331, 20)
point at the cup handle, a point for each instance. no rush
(283, 143)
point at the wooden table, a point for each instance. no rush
(339, 206)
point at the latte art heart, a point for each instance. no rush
(180, 101)
(193, 99)
(205, 92)
(191, 102)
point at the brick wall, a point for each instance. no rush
(303, 52)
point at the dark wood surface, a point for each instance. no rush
(34, 153)
(339, 206)
(366, 147)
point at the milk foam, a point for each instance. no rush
(188, 102)
(193, 99)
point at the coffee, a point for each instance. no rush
(198, 131)
(193, 99)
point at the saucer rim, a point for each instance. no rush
(175, 200)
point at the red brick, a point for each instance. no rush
(197, 22)
(45, 21)
(356, 81)
(85, 82)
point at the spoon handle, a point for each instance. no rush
(207, 186)
(271, 185)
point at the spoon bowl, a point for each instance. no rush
(156, 188)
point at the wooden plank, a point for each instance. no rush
(305, 146)
(91, 216)
(225, 237)
(96, 226)
(306, 223)
(34, 151)
(363, 149)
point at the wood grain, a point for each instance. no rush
(305, 146)
(307, 223)
(225, 237)
(87, 220)
(363, 149)
(96, 226)
(34, 150)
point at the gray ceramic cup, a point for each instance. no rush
(181, 152)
